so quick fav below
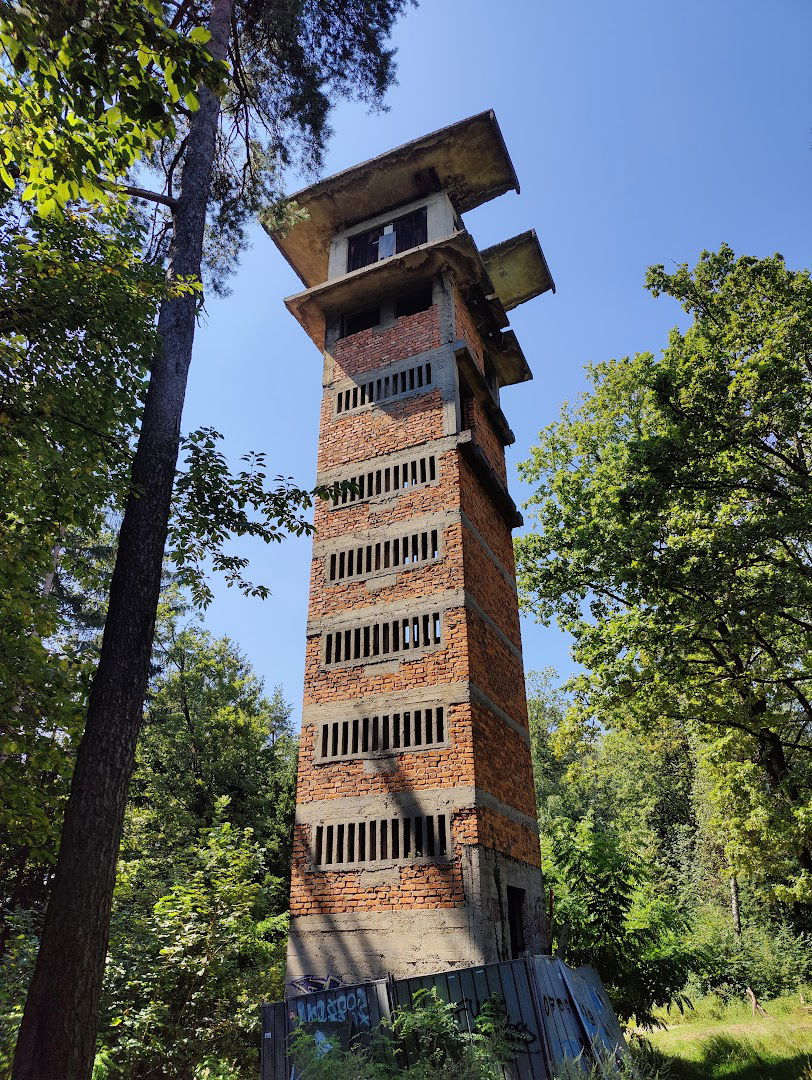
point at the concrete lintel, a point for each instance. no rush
(440, 602)
(397, 457)
(396, 700)
(432, 356)
(437, 520)
(418, 801)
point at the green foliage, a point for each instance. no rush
(771, 959)
(671, 538)
(87, 89)
(721, 1040)
(199, 922)
(427, 1035)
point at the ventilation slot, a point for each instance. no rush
(389, 480)
(387, 637)
(379, 840)
(415, 729)
(384, 386)
(366, 559)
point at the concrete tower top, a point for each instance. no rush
(379, 227)
(467, 160)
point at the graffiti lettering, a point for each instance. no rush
(338, 1007)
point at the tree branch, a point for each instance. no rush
(151, 196)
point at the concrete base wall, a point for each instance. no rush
(364, 945)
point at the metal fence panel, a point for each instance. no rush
(470, 988)
(591, 994)
(274, 1046)
(565, 1033)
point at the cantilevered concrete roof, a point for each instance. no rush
(468, 160)
(518, 269)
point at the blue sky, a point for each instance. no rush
(641, 133)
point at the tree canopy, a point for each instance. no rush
(672, 524)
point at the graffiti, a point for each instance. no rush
(351, 1006)
(312, 984)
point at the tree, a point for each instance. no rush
(199, 917)
(286, 58)
(614, 811)
(672, 538)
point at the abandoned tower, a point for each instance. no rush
(416, 843)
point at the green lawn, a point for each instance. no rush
(726, 1041)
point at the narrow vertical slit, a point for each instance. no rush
(432, 468)
(429, 835)
(325, 739)
(332, 568)
(384, 830)
(351, 842)
(328, 855)
(395, 838)
(373, 847)
(319, 844)
(362, 841)
(427, 726)
(438, 727)
(355, 735)
(418, 727)
(442, 844)
(418, 836)
(345, 738)
(407, 837)
(339, 843)
(365, 736)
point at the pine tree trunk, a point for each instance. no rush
(57, 1037)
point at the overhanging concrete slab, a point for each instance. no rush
(468, 160)
(518, 269)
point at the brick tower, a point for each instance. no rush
(416, 844)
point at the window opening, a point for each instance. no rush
(424, 836)
(414, 729)
(370, 245)
(413, 302)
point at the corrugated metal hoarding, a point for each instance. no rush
(554, 1014)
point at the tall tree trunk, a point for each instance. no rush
(771, 756)
(735, 910)
(58, 1033)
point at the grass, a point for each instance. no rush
(719, 1040)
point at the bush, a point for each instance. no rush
(771, 960)
(427, 1035)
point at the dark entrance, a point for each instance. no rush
(515, 904)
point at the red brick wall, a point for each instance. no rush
(485, 437)
(369, 349)
(484, 751)
(466, 331)
(387, 427)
